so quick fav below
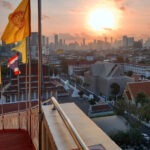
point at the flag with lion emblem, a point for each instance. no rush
(18, 26)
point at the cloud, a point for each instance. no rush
(73, 37)
(6, 4)
(108, 29)
(123, 8)
(75, 11)
(117, 1)
(45, 17)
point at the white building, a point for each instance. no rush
(137, 68)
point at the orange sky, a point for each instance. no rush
(70, 18)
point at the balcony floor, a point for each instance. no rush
(15, 140)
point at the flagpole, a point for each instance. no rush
(30, 90)
(39, 72)
(26, 85)
(1, 98)
(18, 102)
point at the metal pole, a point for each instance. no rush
(30, 90)
(1, 99)
(18, 102)
(39, 72)
(26, 85)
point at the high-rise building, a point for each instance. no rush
(130, 41)
(111, 40)
(105, 39)
(124, 41)
(83, 41)
(34, 38)
(56, 39)
(60, 43)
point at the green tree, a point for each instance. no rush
(92, 101)
(142, 98)
(120, 106)
(145, 112)
(115, 89)
(132, 137)
(129, 73)
(81, 93)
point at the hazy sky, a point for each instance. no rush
(70, 17)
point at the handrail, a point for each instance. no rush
(78, 140)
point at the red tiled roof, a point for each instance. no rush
(100, 108)
(138, 87)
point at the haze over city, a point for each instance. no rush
(75, 75)
(74, 20)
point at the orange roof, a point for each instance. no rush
(138, 87)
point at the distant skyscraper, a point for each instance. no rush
(105, 39)
(94, 42)
(34, 38)
(60, 43)
(124, 41)
(130, 41)
(47, 41)
(64, 42)
(83, 41)
(111, 40)
(43, 40)
(56, 39)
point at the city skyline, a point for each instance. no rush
(71, 20)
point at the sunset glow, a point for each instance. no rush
(88, 18)
(101, 18)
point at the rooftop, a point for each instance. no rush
(138, 87)
(91, 134)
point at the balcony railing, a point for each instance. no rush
(27, 120)
(62, 128)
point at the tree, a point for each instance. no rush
(145, 112)
(119, 59)
(142, 98)
(121, 106)
(129, 73)
(81, 93)
(92, 101)
(115, 89)
(133, 137)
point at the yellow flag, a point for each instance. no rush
(0, 75)
(22, 49)
(18, 26)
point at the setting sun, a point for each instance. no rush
(101, 18)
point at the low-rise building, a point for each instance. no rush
(79, 67)
(133, 88)
(102, 75)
